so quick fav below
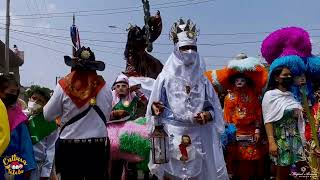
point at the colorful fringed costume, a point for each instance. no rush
(5, 129)
(129, 141)
(291, 47)
(316, 114)
(242, 108)
(20, 143)
(129, 138)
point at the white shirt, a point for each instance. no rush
(90, 126)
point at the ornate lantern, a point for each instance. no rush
(160, 144)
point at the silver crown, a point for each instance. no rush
(181, 26)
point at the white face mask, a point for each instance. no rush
(240, 82)
(33, 106)
(188, 57)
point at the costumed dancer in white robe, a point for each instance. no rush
(187, 105)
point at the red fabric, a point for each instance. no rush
(315, 109)
(183, 150)
(307, 132)
(240, 151)
(81, 86)
(315, 112)
(242, 107)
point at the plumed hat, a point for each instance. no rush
(249, 67)
(84, 59)
(285, 42)
(291, 47)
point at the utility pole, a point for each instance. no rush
(6, 64)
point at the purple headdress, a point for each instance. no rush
(291, 47)
(286, 41)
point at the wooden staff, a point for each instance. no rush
(146, 10)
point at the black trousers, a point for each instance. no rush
(79, 161)
(117, 169)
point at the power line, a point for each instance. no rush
(213, 56)
(231, 43)
(28, 42)
(119, 53)
(65, 37)
(124, 33)
(61, 29)
(37, 7)
(108, 32)
(57, 51)
(68, 44)
(45, 6)
(102, 10)
(109, 52)
(123, 42)
(28, 5)
(116, 12)
(39, 35)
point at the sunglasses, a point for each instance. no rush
(186, 48)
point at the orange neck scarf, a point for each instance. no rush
(81, 86)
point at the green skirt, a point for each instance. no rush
(287, 137)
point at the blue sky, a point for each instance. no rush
(217, 17)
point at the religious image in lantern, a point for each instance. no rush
(160, 144)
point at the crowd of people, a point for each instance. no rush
(244, 121)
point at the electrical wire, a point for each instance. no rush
(109, 13)
(55, 50)
(123, 42)
(102, 10)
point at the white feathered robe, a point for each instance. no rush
(181, 106)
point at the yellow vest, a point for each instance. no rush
(4, 128)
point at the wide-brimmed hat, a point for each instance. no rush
(84, 59)
(248, 67)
